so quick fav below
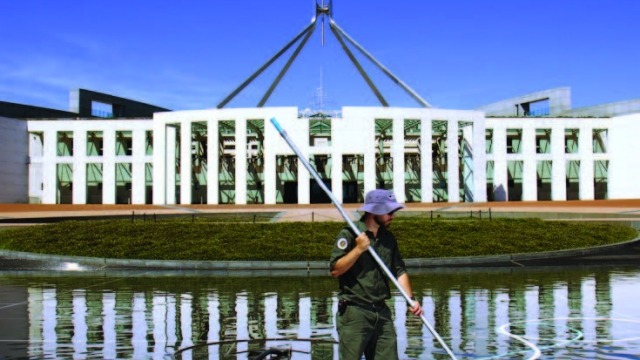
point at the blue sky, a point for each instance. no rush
(189, 55)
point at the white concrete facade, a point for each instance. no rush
(619, 154)
(353, 133)
(46, 158)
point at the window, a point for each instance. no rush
(571, 137)
(100, 109)
(514, 140)
(543, 141)
(95, 143)
(124, 143)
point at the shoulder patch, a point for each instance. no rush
(342, 243)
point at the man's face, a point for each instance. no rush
(384, 220)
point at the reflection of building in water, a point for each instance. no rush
(124, 323)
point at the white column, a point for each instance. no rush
(160, 324)
(172, 326)
(213, 161)
(429, 308)
(479, 159)
(49, 324)
(109, 167)
(532, 306)
(139, 326)
(186, 323)
(304, 328)
(500, 184)
(49, 168)
(400, 323)
(426, 160)
(170, 163)
(138, 180)
(528, 146)
(185, 162)
(468, 161)
(300, 138)
(79, 167)
(501, 303)
(213, 309)
(304, 178)
(109, 325)
(397, 153)
(455, 319)
(585, 150)
(242, 325)
(481, 320)
(336, 174)
(241, 161)
(35, 316)
(79, 318)
(269, 176)
(558, 166)
(370, 163)
(453, 180)
(271, 319)
(159, 162)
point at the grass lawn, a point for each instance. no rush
(185, 239)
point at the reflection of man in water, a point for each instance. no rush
(364, 321)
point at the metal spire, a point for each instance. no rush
(322, 11)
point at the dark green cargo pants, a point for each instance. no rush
(367, 331)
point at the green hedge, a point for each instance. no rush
(187, 240)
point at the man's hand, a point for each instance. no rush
(416, 309)
(363, 242)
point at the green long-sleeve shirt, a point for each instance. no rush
(365, 282)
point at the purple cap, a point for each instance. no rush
(380, 202)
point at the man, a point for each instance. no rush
(364, 321)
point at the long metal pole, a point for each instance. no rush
(285, 68)
(265, 65)
(356, 63)
(355, 229)
(388, 72)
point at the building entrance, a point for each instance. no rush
(318, 196)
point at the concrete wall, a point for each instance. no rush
(80, 102)
(557, 155)
(20, 111)
(624, 181)
(47, 157)
(559, 102)
(13, 160)
(619, 108)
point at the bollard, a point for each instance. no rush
(132, 215)
(254, 218)
(312, 216)
(489, 214)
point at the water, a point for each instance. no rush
(563, 312)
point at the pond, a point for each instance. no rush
(572, 312)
